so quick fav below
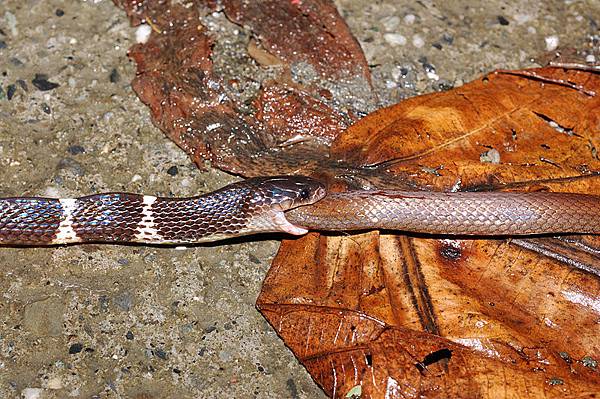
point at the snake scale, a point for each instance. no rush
(289, 204)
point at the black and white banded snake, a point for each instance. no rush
(288, 204)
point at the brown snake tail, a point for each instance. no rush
(290, 204)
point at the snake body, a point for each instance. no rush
(461, 213)
(248, 207)
(289, 204)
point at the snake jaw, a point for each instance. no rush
(285, 226)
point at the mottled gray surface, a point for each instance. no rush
(121, 321)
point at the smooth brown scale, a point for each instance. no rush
(487, 213)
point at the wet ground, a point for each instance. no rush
(151, 322)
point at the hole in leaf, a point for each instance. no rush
(432, 358)
(369, 359)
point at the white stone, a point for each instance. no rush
(142, 33)
(433, 76)
(395, 39)
(551, 42)
(55, 383)
(520, 19)
(390, 23)
(31, 393)
(409, 19)
(418, 41)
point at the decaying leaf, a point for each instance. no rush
(386, 314)
(524, 312)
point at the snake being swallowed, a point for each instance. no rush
(289, 204)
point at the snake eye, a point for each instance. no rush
(304, 193)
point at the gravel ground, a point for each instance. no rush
(150, 322)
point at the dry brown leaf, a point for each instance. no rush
(538, 130)
(518, 317)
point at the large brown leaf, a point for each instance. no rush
(401, 315)
(511, 318)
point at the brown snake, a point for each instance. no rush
(461, 213)
(290, 204)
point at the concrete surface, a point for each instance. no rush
(131, 321)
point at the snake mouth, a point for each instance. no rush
(285, 226)
(278, 212)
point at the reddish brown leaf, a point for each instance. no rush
(521, 316)
(310, 31)
(189, 103)
(539, 131)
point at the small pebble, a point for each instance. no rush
(502, 21)
(448, 38)
(10, 91)
(429, 69)
(71, 166)
(23, 84)
(161, 354)
(395, 39)
(76, 149)
(172, 171)
(391, 23)
(2, 44)
(565, 356)
(136, 178)
(59, 12)
(590, 59)
(41, 82)
(10, 21)
(55, 383)
(418, 41)
(589, 361)
(114, 76)
(46, 108)
(551, 42)
(492, 156)
(124, 301)
(520, 19)
(409, 19)
(129, 335)
(31, 393)
(142, 33)
(16, 62)
(75, 348)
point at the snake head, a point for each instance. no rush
(274, 195)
